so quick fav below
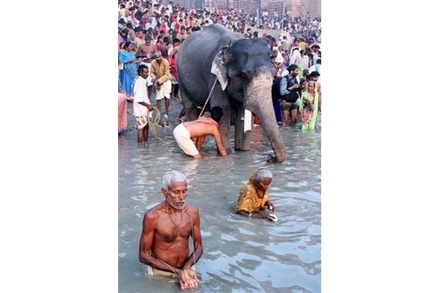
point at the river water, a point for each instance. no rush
(240, 254)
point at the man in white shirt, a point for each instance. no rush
(141, 103)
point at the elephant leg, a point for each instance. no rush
(191, 112)
(242, 139)
(225, 123)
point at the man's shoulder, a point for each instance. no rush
(191, 208)
(153, 212)
(207, 120)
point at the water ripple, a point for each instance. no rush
(240, 254)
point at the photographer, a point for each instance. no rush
(290, 90)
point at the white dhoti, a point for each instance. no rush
(164, 91)
(183, 139)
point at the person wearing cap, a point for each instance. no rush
(161, 78)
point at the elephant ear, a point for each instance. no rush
(219, 68)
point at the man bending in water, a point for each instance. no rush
(166, 230)
(191, 135)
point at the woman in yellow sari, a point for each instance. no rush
(253, 197)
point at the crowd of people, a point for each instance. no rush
(150, 30)
(149, 36)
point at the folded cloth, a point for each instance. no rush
(156, 272)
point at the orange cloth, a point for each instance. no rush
(248, 199)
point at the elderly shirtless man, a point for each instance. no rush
(191, 135)
(166, 230)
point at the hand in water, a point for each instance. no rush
(273, 218)
(188, 279)
(271, 207)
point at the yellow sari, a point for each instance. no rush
(248, 199)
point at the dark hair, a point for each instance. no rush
(140, 68)
(292, 67)
(314, 73)
(216, 113)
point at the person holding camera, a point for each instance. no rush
(290, 90)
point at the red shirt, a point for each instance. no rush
(159, 46)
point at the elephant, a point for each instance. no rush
(234, 73)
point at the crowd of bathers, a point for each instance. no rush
(156, 18)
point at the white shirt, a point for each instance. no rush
(140, 95)
(170, 9)
(295, 56)
(316, 67)
(304, 62)
(149, 80)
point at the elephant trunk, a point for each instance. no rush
(258, 99)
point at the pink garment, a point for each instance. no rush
(120, 40)
(122, 113)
